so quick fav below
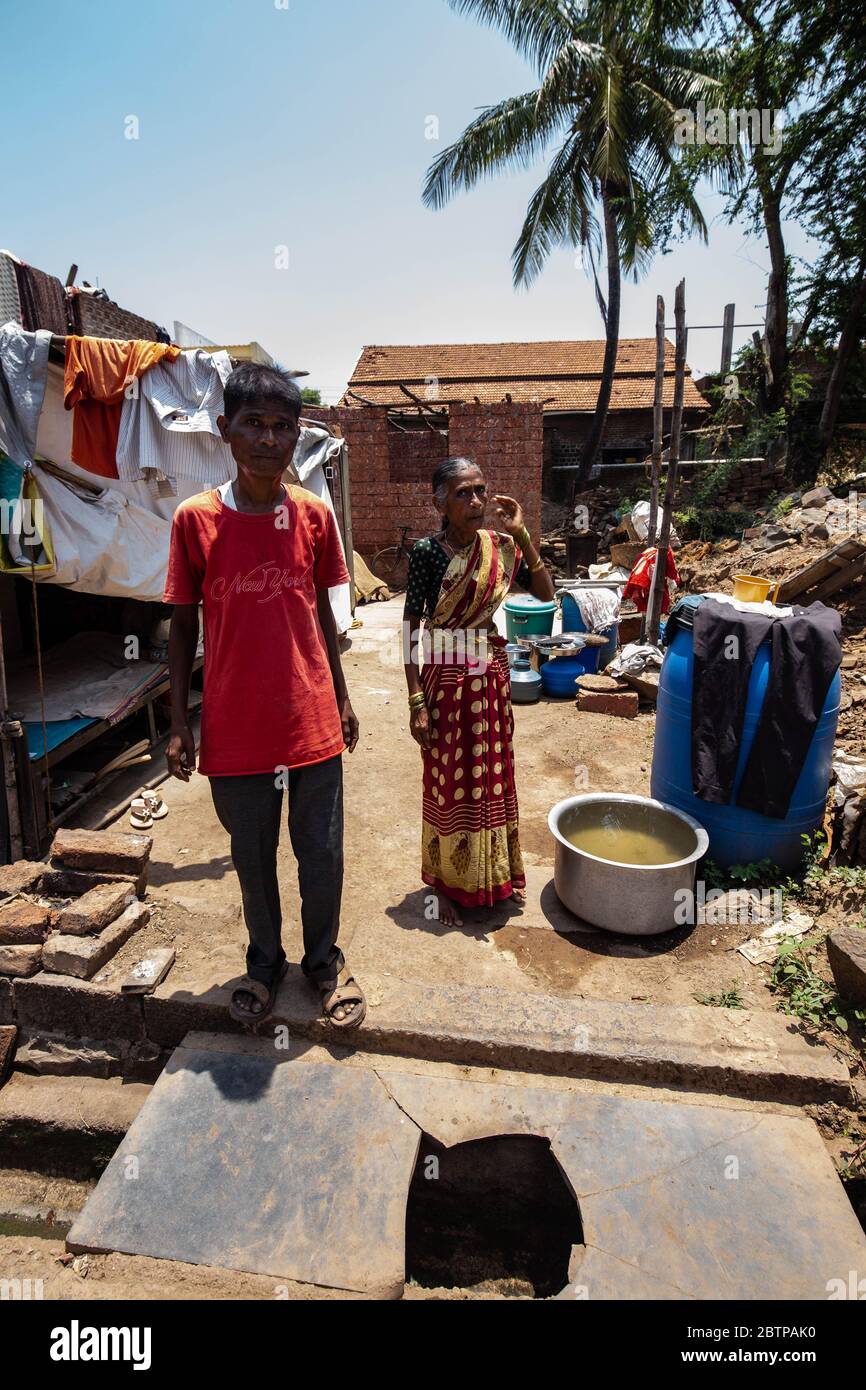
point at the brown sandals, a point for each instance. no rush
(344, 990)
(264, 994)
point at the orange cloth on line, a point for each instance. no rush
(638, 587)
(98, 371)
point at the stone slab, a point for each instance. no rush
(8, 1034)
(83, 956)
(677, 1201)
(114, 851)
(20, 961)
(7, 1008)
(96, 909)
(846, 952)
(77, 1008)
(295, 1170)
(23, 923)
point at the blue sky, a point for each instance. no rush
(299, 123)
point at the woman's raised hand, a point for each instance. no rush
(509, 514)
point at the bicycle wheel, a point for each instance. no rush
(392, 566)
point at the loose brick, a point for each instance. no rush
(96, 910)
(624, 705)
(114, 851)
(20, 961)
(74, 883)
(23, 924)
(23, 876)
(83, 956)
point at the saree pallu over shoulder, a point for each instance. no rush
(470, 840)
(477, 582)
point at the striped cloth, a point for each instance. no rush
(168, 425)
(10, 300)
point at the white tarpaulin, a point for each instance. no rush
(316, 448)
(103, 543)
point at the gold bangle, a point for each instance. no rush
(523, 538)
(417, 702)
(539, 565)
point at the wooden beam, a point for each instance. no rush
(661, 565)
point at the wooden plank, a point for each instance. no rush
(822, 568)
(839, 581)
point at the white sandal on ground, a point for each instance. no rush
(156, 807)
(139, 816)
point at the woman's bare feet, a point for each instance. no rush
(448, 912)
(519, 897)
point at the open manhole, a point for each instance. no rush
(496, 1212)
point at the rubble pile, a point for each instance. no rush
(72, 915)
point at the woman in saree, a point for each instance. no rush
(460, 697)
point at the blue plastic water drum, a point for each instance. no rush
(738, 836)
(558, 676)
(572, 621)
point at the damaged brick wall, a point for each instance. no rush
(391, 470)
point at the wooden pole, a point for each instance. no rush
(660, 576)
(658, 443)
(658, 422)
(728, 338)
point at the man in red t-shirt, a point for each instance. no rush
(261, 557)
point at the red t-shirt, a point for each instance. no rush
(269, 698)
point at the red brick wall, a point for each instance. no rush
(507, 443)
(391, 471)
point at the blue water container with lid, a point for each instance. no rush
(737, 836)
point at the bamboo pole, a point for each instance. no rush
(660, 575)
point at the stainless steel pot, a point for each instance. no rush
(634, 899)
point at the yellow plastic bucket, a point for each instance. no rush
(749, 589)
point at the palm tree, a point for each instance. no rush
(612, 75)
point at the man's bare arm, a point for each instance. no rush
(182, 646)
(332, 642)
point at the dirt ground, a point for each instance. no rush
(384, 929)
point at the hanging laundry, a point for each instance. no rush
(43, 300)
(637, 590)
(23, 371)
(169, 426)
(98, 372)
(25, 545)
(10, 300)
(806, 653)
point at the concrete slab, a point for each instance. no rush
(729, 1051)
(294, 1170)
(241, 1161)
(677, 1201)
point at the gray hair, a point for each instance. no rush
(444, 476)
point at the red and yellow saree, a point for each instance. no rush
(470, 843)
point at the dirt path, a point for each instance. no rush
(384, 929)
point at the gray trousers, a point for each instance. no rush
(250, 809)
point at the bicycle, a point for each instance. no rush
(392, 563)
